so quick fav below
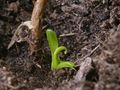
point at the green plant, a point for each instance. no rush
(57, 63)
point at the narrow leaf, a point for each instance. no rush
(66, 64)
(52, 40)
(55, 57)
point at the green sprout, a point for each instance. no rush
(57, 63)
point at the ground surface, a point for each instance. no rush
(92, 23)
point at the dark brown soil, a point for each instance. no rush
(91, 22)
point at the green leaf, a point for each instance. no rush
(66, 64)
(58, 63)
(52, 40)
(59, 50)
(55, 59)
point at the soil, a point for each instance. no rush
(81, 25)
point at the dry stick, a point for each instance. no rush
(37, 24)
(84, 69)
(88, 54)
(67, 35)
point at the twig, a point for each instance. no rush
(39, 66)
(88, 54)
(101, 42)
(69, 34)
(34, 27)
(37, 24)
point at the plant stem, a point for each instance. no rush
(37, 24)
